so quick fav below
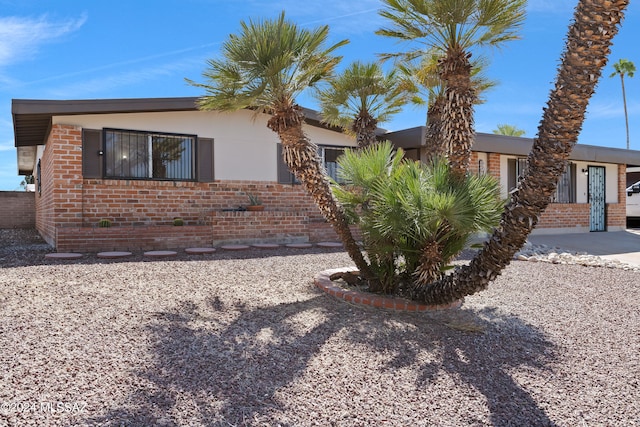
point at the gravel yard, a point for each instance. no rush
(245, 338)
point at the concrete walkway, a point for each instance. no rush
(620, 245)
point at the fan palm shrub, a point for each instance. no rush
(414, 218)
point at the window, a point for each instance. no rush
(147, 155)
(39, 177)
(516, 168)
(328, 156)
(566, 190)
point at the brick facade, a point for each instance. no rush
(142, 212)
(69, 207)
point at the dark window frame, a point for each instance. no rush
(285, 176)
(565, 193)
(193, 161)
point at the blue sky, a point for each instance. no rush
(67, 49)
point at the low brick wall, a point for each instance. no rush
(259, 227)
(128, 238)
(226, 227)
(17, 209)
(565, 215)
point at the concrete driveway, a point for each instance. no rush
(620, 245)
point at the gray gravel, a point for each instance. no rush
(245, 339)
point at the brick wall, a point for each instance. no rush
(142, 211)
(263, 227)
(60, 201)
(493, 164)
(617, 212)
(17, 209)
(132, 202)
(88, 239)
(565, 215)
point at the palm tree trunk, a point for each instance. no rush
(364, 126)
(457, 112)
(587, 48)
(624, 102)
(301, 156)
(434, 144)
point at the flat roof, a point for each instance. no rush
(518, 146)
(32, 118)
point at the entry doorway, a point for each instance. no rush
(597, 198)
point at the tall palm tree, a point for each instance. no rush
(509, 130)
(624, 67)
(585, 55)
(264, 68)
(453, 29)
(361, 97)
(421, 77)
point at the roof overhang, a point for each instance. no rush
(516, 146)
(32, 118)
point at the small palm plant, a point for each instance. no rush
(254, 199)
(415, 218)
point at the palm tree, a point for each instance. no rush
(361, 97)
(453, 29)
(264, 68)
(585, 55)
(421, 78)
(624, 67)
(509, 130)
(414, 217)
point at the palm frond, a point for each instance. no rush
(268, 63)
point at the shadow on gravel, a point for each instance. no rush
(214, 372)
(475, 348)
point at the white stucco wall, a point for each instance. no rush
(244, 148)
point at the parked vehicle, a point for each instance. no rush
(633, 201)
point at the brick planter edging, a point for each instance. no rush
(323, 282)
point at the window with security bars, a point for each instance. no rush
(566, 189)
(328, 156)
(149, 155)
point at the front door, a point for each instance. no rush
(597, 198)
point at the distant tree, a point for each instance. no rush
(509, 130)
(28, 179)
(624, 67)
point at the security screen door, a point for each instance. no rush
(597, 198)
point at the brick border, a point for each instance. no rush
(325, 284)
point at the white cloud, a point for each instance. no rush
(20, 37)
(611, 109)
(343, 17)
(108, 83)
